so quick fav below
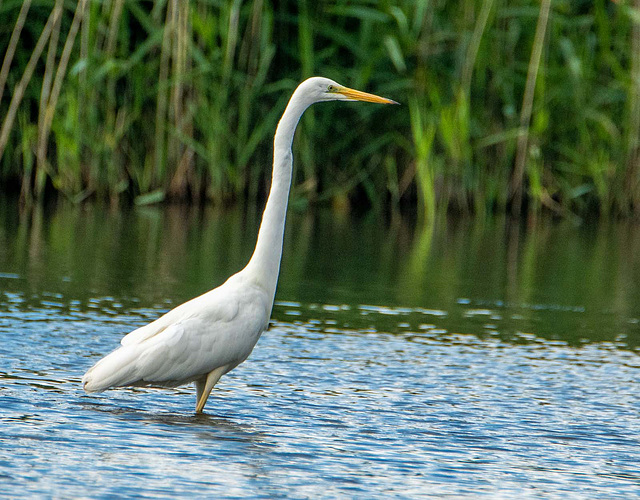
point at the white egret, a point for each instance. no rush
(206, 337)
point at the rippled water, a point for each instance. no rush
(465, 360)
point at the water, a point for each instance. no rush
(462, 361)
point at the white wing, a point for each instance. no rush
(219, 302)
(219, 328)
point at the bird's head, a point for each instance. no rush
(319, 89)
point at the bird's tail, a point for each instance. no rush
(114, 370)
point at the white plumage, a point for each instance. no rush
(214, 330)
(204, 338)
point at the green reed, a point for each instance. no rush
(506, 105)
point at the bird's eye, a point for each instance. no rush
(331, 88)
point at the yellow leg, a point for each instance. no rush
(204, 387)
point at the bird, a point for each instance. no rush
(206, 337)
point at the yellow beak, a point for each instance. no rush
(357, 95)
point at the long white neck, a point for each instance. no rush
(264, 265)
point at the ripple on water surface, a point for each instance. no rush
(336, 400)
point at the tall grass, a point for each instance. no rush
(520, 105)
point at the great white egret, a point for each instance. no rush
(206, 337)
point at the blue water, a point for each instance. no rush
(462, 387)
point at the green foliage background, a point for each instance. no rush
(178, 99)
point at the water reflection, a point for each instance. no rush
(75, 259)
(204, 426)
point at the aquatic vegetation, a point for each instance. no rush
(509, 105)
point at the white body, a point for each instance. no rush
(217, 329)
(204, 338)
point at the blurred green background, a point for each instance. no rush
(519, 106)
